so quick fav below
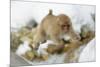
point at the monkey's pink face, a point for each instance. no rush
(64, 23)
(65, 27)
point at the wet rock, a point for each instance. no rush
(86, 34)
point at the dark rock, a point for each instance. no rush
(31, 24)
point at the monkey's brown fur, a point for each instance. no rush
(53, 27)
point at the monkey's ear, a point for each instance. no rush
(50, 12)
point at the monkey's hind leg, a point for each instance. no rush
(38, 38)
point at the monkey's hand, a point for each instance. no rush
(74, 35)
(77, 37)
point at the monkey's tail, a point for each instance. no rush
(50, 12)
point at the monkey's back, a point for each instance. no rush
(49, 25)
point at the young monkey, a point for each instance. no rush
(54, 28)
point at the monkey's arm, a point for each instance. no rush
(74, 36)
(56, 39)
(38, 37)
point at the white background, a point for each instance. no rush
(5, 32)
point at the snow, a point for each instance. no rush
(53, 59)
(23, 48)
(88, 53)
(43, 46)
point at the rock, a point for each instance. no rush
(72, 46)
(71, 52)
(71, 57)
(59, 48)
(29, 55)
(15, 41)
(35, 53)
(44, 57)
(66, 48)
(93, 16)
(24, 31)
(55, 48)
(51, 49)
(85, 31)
(31, 24)
(26, 34)
(26, 38)
(86, 34)
(20, 36)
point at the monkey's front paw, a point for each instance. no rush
(75, 40)
(78, 37)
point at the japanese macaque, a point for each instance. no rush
(55, 28)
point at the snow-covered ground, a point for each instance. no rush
(22, 12)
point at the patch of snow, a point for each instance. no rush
(23, 48)
(43, 46)
(53, 59)
(88, 54)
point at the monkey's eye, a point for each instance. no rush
(63, 25)
(66, 26)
